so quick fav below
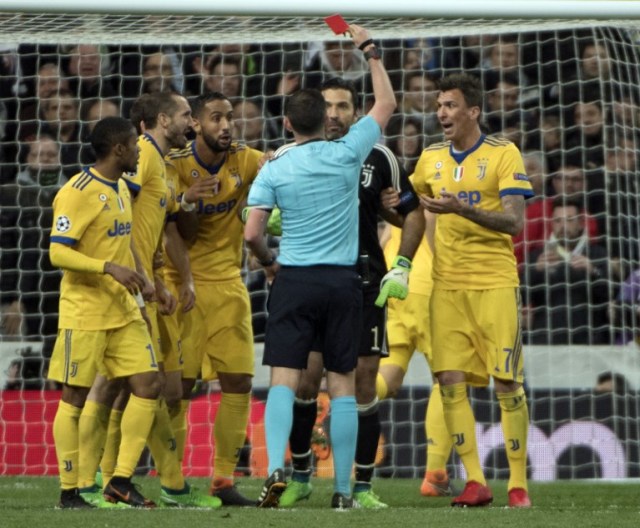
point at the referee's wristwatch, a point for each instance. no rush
(372, 53)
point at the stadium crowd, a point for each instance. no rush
(574, 127)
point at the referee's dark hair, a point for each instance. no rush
(306, 110)
(108, 133)
(338, 83)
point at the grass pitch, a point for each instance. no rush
(29, 503)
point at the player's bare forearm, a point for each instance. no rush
(187, 224)
(395, 219)
(389, 200)
(510, 220)
(148, 291)
(430, 231)
(177, 252)
(412, 233)
(254, 233)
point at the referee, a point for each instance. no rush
(317, 293)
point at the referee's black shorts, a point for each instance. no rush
(373, 333)
(309, 304)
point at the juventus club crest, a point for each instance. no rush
(235, 175)
(366, 175)
(482, 168)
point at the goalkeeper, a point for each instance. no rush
(380, 171)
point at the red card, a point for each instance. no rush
(337, 24)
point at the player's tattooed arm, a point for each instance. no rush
(510, 220)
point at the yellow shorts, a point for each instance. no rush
(120, 352)
(170, 342)
(217, 335)
(477, 332)
(407, 330)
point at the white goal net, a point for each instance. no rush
(566, 91)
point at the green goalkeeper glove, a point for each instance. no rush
(395, 283)
(274, 224)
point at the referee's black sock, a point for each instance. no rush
(367, 446)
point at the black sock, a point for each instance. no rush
(367, 446)
(305, 413)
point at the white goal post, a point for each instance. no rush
(378, 8)
(199, 20)
(575, 432)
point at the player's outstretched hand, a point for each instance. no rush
(130, 279)
(395, 283)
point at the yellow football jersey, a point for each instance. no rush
(217, 252)
(420, 277)
(173, 186)
(93, 215)
(150, 190)
(469, 256)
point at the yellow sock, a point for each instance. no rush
(461, 425)
(230, 432)
(179, 428)
(515, 428)
(137, 420)
(162, 444)
(111, 446)
(92, 435)
(66, 439)
(382, 390)
(438, 439)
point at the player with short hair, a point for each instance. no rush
(477, 186)
(380, 171)
(163, 119)
(101, 325)
(217, 337)
(317, 293)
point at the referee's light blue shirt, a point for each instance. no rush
(315, 186)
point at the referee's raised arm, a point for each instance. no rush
(385, 99)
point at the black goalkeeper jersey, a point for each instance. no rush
(380, 170)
